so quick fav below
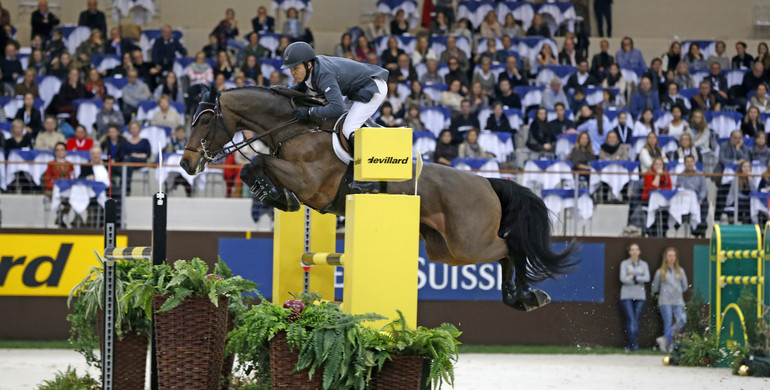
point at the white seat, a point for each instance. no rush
(434, 91)
(73, 37)
(86, 114)
(435, 119)
(48, 87)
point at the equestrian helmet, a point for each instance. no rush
(297, 53)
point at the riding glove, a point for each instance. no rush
(301, 113)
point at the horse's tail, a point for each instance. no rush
(526, 228)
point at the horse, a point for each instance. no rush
(464, 218)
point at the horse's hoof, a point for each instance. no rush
(527, 300)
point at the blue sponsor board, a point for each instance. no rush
(253, 259)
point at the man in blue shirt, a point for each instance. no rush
(628, 57)
(644, 98)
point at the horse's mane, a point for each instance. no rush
(300, 98)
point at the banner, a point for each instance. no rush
(253, 259)
(47, 265)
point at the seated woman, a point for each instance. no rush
(490, 27)
(613, 149)
(582, 154)
(80, 142)
(744, 188)
(386, 118)
(682, 76)
(649, 152)
(704, 138)
(389, 57)
(171, 88)
(645, 124)
(112, 142)
(541, 138)
(595, 124)
(694, 59)
(511, 28)
(656, 178)
(751, 125)
(445, 151)
(362, 49)
(412, 119)
(686, 148)
(546, 56)
(677, 126)
(58, 169)
(70, 91)
(19, 138)
(418, 97)
(760, 100)
(451, 98)
(135, 150)
(166, 116)
(252, 70)
(95, 84)
(399, 25)
(760, 151)
(470, 147)
(200, 72)
(478, 97)
(497, 120)
(30, 115)
(615, 79)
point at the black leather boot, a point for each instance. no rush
(272, 196)
(352, 145)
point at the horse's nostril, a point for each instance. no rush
(185, 163)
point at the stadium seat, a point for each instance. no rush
(86, 110)
(269, 41)
(530, 96)
(522, 11)
(114, 86)
(435, 118)
(723, 122)
(74, 36)
(515, 118)
(595, 95)
(424, 143)
(103, 63)
(13, 104)
(498, 143)
(474, 11)
(405, 43)
(546, 73)
(689, 92)
(489, 166)
(48, 87)
(411, 10)
(434, 91)
(707, 48)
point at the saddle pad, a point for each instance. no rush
(340, 151)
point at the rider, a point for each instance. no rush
(333, 77)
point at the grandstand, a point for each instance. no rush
(586, 191)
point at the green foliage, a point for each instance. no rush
(88, 298)
(747, 301)
(69, 380)
(697, 316)
(699, 350)
(185, 279)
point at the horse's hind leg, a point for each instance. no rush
(253, 175)
(509, 289)
(522, 296)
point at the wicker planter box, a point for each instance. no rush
(129, 358)
(229, 360)
(190, 343)
(401, 373)
(282, 362)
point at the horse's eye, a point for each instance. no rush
(205, 121)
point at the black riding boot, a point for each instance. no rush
(352, 145)
(272, 196)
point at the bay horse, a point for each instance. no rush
(464, 218)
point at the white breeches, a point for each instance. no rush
(359, 112)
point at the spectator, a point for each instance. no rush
(577, 99)
(645, 124)
(96, 171)
(117, 44)
(597, 126)
(538, 27)
(603, 13)
(581, 155)
(760, 100)
(463, 122)
(752, 125)
(686, 148)
(93, 18)
(377, 27)
(47, 139)
(553, 95)
(613, 149)
(634, 273)
(497, 120)
(135, 150)
(623, 130)
(399, 25)
(178, 141)
(628, 56)
(674, 99)
(568, 55)
(422, 51)
(541, 138)
(644, 98)
(5, 16)
(691, 180)
(166, 116)
(70, 91)
(451, 98)
(485, 77)
(219, 82)
(760, 151)
(677, 126)
(43, 21)
(413, 120)
(615, 79)
(134, 92)
(223, 65)
(386, 118)
(464, 28)
(752, 80)
(145, 71)
(27, 85)
(10, 66)
(612, 102)
(38, 63)
(418, 97)
(80, 142)
(671, 59)
(121, 70)
(512, 29)
(19, 139)
(742, 187)
(362, 49)
(345, 46)
(732, 152)
(470, 147)
(440, 26)
(58, 169)
(512, 73)
(602, 61)
(391, 54)
(452, 51)
(656, 178)
(561, 124)
(705, 99)
(431, 76)
(694, 59)
(54, 47)
(764, 181)
(113, 142)
(492, 53)
(252, 70)
(762, 55)
(580, 79)
(490, 28)
(719, 57)
(227, 30)
(212, 48)
(394, 97)
(456, 73)
(263, 22)
(649, 152)
(166, 48)
(371, 58)
(656, 76)
(668, 287)
(200, 72)
(446, 150)
(508, 96)
(95, 84)
(742, 60)
(92, 46)
(278, 78)
(478, 97)
(682, 76)
(704, 138)
(107, 116)
(283, 43)
(545, 57)
(170, 88)
(30, 115)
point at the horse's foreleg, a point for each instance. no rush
(255, 176)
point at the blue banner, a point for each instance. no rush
(253, 259)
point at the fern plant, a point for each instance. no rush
(70, 380)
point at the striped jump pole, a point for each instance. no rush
(156, 252)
